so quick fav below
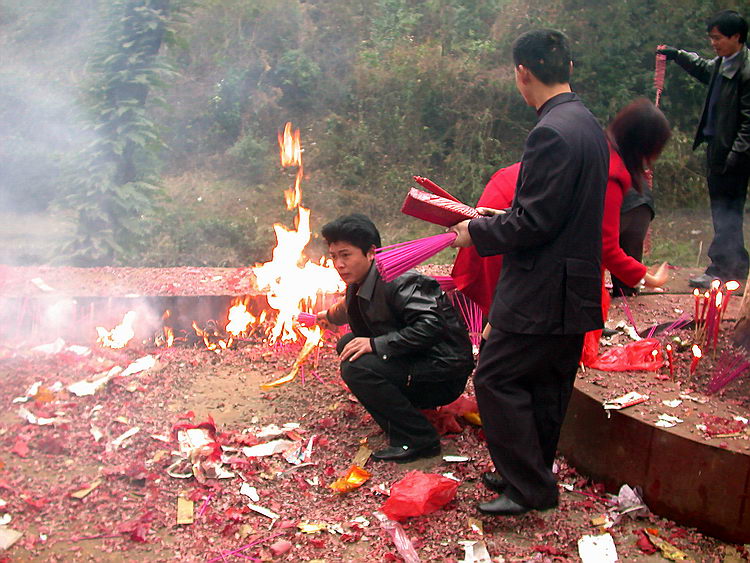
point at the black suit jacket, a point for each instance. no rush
(552, 235)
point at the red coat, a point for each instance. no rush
(477, 277)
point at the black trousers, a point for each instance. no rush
(633, 228)
(523, 385)
(385, 389)
(729, 259)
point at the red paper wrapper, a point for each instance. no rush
(436, 209)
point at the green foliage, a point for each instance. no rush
(112, 182)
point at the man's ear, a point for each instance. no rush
(371, 253)
(523, 73)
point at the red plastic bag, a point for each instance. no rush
(645, 355)
(417, 494)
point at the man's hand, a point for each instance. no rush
(355, 348)
(658, 278)
(733, 163)
(667, 51)
(490, 212)
(462, 230)
(321, 319)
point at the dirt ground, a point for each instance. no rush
(129, 512)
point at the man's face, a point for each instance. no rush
(350, 262)
(724, 46)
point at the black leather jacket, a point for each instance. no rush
(411, 319)
(732, 108)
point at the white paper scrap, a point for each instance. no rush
(597, 549)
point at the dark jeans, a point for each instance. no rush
(523, 385)
(727, 192)
(633, 228)
(384, 388)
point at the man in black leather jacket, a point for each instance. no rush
(407, 349)
(725, 127)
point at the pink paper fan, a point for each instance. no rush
(436, 209)
(394, 260)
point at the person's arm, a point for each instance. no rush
(740, 153)
(336, 314)
(622, 266)
(695, 65)
(542, 202)
(416, 300)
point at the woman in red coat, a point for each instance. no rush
(636, 136)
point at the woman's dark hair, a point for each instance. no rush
(356, 229)
(546, 53)
(638, 133)
(728, 22)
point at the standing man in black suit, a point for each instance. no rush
(725, 127)
(549, 292)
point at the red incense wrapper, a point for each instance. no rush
(428, 184)
(436, 209)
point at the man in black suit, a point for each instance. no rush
(549, 292)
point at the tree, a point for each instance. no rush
(112, 185)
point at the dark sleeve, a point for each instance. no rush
(415, 299)
(543, 199)
(741, 142)
(696, 66)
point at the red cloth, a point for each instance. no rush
(474, 276)
(477, 277)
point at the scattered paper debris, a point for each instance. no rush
(268, 448)
(264, 511)
(84, 492)
(668, 551)
(8, 537)
(668, 421)
(185, 509)
(597, 549)
(250, 492)
(627, 400)
(39, 282)
(120, 440)
(674, 403)
(475, 552)
(455, 458)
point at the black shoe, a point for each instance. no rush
(505, 506)
(702, 282)
(493, 480)
(405, 453)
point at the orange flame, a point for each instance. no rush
(239, 320)
(291, 155)
(291, 280)
(119, 336)
(732, 285)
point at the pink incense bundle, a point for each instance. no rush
(394, 260)
(472, 315)
(306, 319)
(436, 209)
(659, 73)
(447, 283)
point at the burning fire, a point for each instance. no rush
(292, 281)
(119, 336)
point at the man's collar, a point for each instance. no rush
(367, 288)
(730, 65)
(555, 101)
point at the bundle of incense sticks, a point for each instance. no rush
(728, 368)
(394, 260)
(709, 312)
(659, 73)
(447, 283)
(471, 314)
(428, 184)
(436, 209)
(306, 319)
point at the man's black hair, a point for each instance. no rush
(728, 22)
(546, 53)
(356, 229)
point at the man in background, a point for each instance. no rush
(725, 127)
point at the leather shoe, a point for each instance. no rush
(401, 454)
(703, 281)
(505, 506)
(493, 480)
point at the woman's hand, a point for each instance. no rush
(658, 278)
